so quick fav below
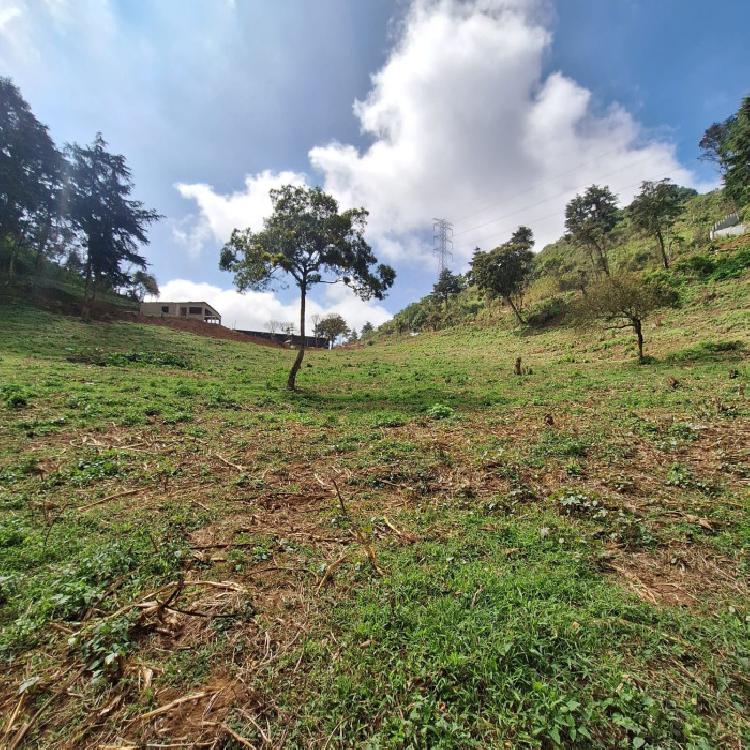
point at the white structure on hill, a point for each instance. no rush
(728, 226)
(183, 310)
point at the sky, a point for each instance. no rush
(488, 113)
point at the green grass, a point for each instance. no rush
(501, 581)
(506, 635)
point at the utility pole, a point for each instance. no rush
(442, 238)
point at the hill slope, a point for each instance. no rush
(419, 549)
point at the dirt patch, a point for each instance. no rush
(211, 330)
(685, 576)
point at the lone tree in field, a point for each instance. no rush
(308, 239)
(622, 302)
(505, 271)
(655, 209)
(113, 225)
(332, 326)
(590, 218)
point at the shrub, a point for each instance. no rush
(13, 397)
(707, 351)
(440, 411)
(717, 269)
(547, 311)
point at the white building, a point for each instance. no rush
(184, 310)
(729, 225)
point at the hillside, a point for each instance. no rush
(558, 269)
(417, 549)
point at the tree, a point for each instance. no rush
(143, 283)
(315, 320)
(30, 177)
(367, 329)
(273, 326)
(307, 238)
(727, 144)
(112, 224)
(332, 326)
(505, 271)
(654, 211)
(622, 302)
(590, 218)
(447, 285)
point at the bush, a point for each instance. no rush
(547, 311)
(707, 351)
(716, 269)
(440, 411)
(13, 397)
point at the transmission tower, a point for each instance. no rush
(442, 238)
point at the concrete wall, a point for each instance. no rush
(285, 339)
(730, 231)
(174, 310)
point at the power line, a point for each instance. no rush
(499, 233)
(442, 239)
(541, 181)
(547, 200)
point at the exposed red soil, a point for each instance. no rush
(200, 328)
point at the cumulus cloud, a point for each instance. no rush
(220, 214)
(465, 125)
(253, 310)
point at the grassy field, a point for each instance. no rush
(418, 550)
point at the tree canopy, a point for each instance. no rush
(56, 205)
(30, 175)
(333, 326)
(113, 225)
(143, 283)
(308, 239)
(590, 218)
(655, 209)
(727, 144)
(448, 285)
(504, 271)
(622, 302)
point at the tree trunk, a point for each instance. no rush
(603, 260)
(515, 309)
(663, 249)
(40, 249)
(291, 382)
(11, 265)
(639, 335)
(85, 307)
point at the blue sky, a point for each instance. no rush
(490, 113)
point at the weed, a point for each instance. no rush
(441, 411)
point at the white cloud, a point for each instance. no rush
(462, 118)
(7, 14)
(252, 310)
(464, 124)
(220, 214)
